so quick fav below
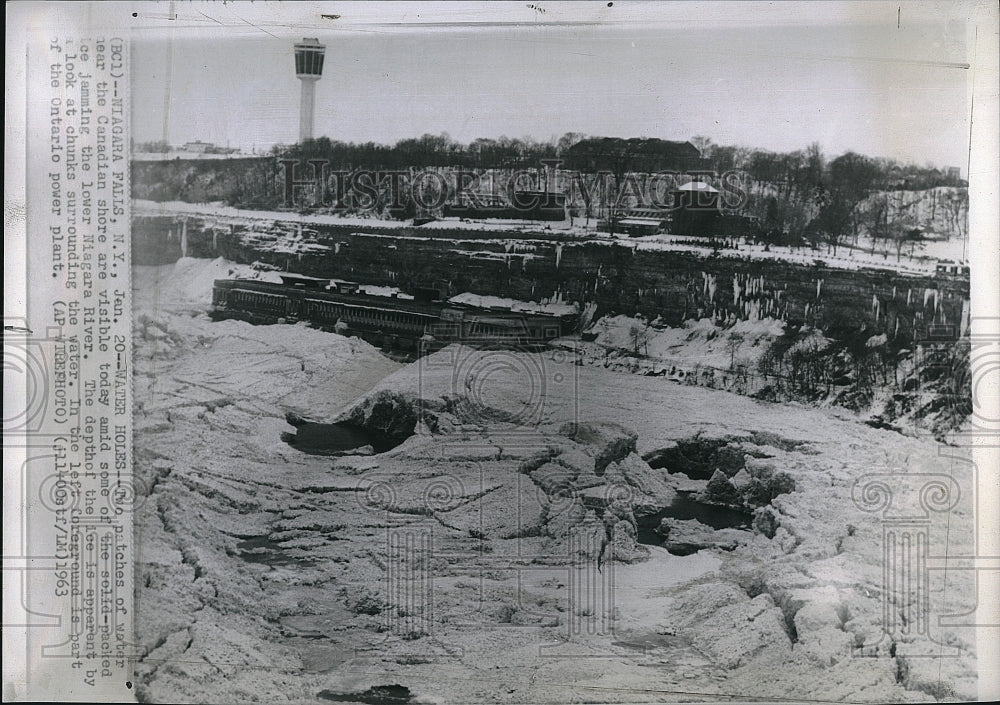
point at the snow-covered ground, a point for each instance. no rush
(555, 307)
(390, 291)
(188, 156)
(922, 260)
(263, 569)
(189, 281)
(701, 342)
(145, 207)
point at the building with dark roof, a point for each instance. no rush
(638, 154)
(695, 209)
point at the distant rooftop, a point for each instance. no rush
(699, 186)
(634, 154)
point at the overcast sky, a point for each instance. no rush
(777, 76)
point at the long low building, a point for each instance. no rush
(422, 324)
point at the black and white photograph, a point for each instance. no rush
(543, 352)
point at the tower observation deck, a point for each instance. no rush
(309, 54)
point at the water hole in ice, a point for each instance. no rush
(335, 438)
(685, 507)
(376, 695)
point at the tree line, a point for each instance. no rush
(804, 167)
(793, 198)
(850, 172)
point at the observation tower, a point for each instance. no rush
(309, 55)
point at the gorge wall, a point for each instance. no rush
(617, 277)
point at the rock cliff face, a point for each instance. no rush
(195, 180)
(676, 286)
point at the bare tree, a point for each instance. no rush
(876, 218)
(639, 337)
(902, 231)
(903, 228)
(833, 221)
(704, 145)
(958, 209)
(733, 342)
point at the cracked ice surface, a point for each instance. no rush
(262, 569)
